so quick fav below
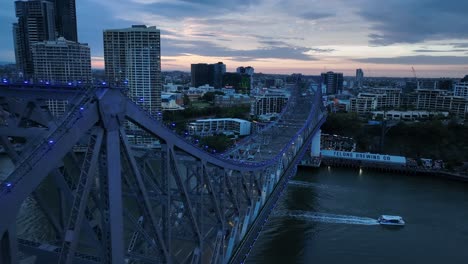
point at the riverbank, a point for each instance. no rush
(385, 167)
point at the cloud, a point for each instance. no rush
(177, 10)
(414, 21)
(180, 47)
(418, 60)
(318, 50)
(436, 51)
(313, 15)
(459, 45)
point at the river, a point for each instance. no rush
(328, 215)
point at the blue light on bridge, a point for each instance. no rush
(5, 81)
(69, 83)
(173, 124)
(26, 82)
(47, 83)
(81, 108)
(8, 184)
(51, 142)
(104, 83)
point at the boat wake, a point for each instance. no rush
(312, 185)
(331, 218)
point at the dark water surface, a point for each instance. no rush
(329, 216)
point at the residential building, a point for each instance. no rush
(461, 89)
(333, 82)
(61, 61)
(376, 99)
(455, 105)
(230, 100)
(363, 103)
(359, 77)
(132, 57)
(268, 103)
(245, 70)
(428, 84)
(36, 23)
(426, 98)
(391, 97)
(227, 126)
(407, 115)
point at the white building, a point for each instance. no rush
(407, 115)
(461, 89)
(133, 56)
(378, 98)
(227, 126)
(61, 62)
(169, 102)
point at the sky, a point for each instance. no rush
(383, 37)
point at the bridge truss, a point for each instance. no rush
(113, 203)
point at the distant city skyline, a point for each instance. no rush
(278, 36)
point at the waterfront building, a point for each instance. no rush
(227, 126)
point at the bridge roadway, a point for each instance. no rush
(196, 210)
(265, 144)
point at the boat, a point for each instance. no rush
(394, 220)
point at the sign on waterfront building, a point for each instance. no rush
(364, 156)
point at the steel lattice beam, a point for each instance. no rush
(194, 206)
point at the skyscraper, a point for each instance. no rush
(211, 74)
(201, 74)
(333, 82)
(219, 69)
(65, 19)
(359, 77)
(36, 22)
(133, 56)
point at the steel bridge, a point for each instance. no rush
(114, 203)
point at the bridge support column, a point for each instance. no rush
(9, 246)
(315, 146)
